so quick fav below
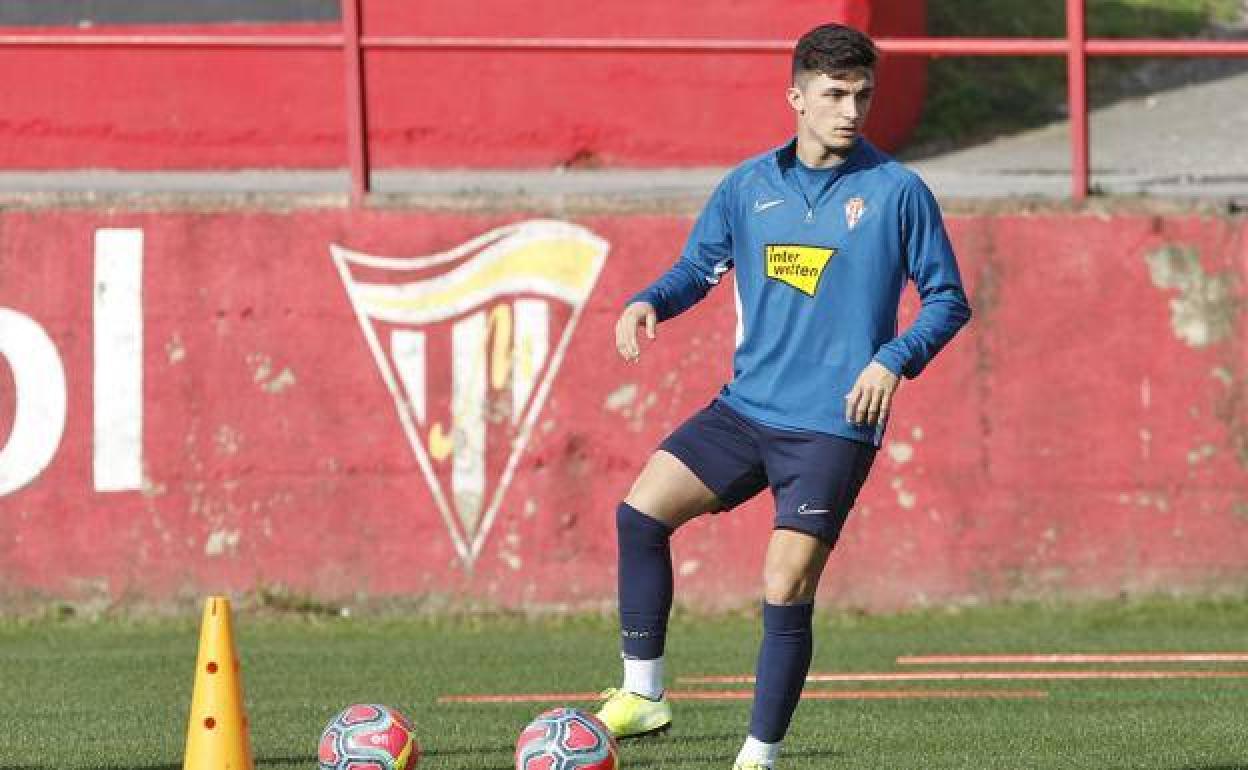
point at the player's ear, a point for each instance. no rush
(796, 100)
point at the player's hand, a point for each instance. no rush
(870, 399)
(635, 315)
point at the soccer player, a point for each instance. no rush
(823, 232)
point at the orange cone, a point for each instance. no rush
(216, 734)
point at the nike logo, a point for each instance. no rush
(806, 510)
(761, 206)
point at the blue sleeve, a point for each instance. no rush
(707, 256)
(930, 263)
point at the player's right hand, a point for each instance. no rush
(635, 315)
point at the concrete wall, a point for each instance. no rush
(193, 402)
(166, 109)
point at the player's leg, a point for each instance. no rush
(707, 464)
(666, 495)
(791, 572)
(815, 479)
(669, 492)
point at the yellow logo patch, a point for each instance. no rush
(798, 266)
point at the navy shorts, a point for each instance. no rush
(814, 477)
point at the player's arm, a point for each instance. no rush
(931, 264)
(934, 269)
(706, 257)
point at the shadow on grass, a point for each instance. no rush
(677, 740)
(467, 751)
(308, 761)
(672, 737)
(647, 742)
(700, 761)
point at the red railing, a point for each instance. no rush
(1076, 47)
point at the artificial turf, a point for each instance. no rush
(115, 693)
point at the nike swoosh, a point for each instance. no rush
(804, 511)
(760, 206)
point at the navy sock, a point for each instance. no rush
(783, 662)
(645, 586)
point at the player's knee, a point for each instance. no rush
(783, 584)
(641, 496)
(634, 525)
(662, 502)
(667, 490)
(646, 502)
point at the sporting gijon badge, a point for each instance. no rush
(854, 209)
(468, 342)
(799, 266)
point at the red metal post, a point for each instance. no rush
(1077, 91)
(357, 124)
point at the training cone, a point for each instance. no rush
(216, 733)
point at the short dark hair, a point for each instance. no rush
(832, 48)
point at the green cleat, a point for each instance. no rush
(628, 715)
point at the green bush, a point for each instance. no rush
(974, 98)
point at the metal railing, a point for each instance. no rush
(1076, 47)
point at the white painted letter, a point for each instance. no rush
(39, 420)
(118, 402)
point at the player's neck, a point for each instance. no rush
(815, 154)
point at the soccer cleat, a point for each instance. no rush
(629, 715)
(752, 766)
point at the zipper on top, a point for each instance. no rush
(801, 189)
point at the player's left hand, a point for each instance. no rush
(870, 399)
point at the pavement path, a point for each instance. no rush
(1187, 142)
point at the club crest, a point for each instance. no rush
(468, 343)
(854, 209)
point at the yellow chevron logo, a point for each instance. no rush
(799, 266)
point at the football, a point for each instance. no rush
(566, 739)
(367, 736)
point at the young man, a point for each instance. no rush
(824, 233)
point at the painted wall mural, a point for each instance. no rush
(469, 342)
(429, 404)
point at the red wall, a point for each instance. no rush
(1088, 433)
(171, 109)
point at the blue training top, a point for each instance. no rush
(821, 259)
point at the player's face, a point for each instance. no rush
(833, 108)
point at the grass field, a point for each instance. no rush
(115, 694)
